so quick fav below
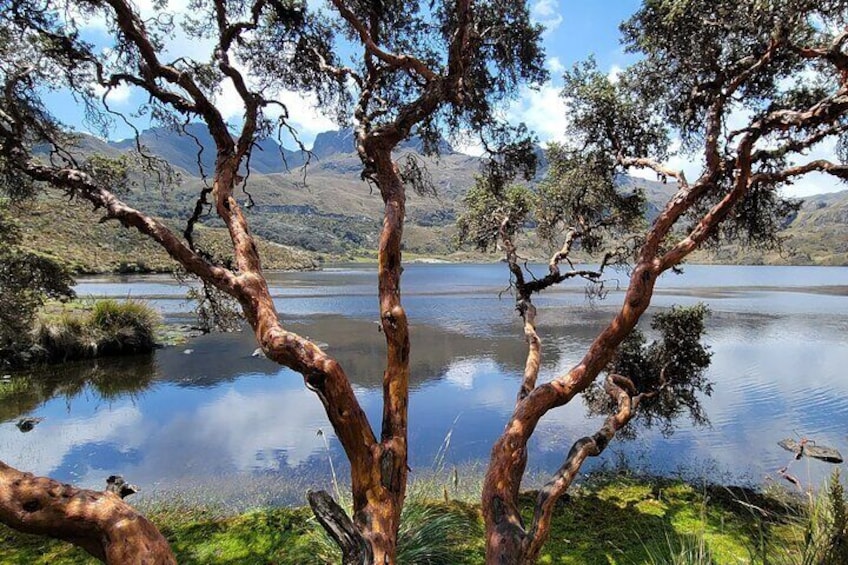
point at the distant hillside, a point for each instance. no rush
(326, 208)
(817, 236)
(71, 233)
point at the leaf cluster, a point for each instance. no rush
(491, 213)
(692, 50)
(672, 368)
(582, 193)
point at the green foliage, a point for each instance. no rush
(686, 551)
(609, 519)
(429, 534)
(693, 48)
(823, 521)
(26, 280)
(489, 209)
(607, 120)
(672, 366)
(107, 327)
(581, 193)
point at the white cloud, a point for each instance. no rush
(248, 429)
(547, 13)
(816, 183)
(44, 449)
(543, 111)
(463, 372)
(613, 74)
(304, 115)
(468, 145)
(555, 65)
(118, 95)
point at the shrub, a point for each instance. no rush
(107, 327)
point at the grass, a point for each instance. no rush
(81, 330)
(817, 528)
(609, 519)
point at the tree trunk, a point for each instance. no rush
(379, 520)
(506, 537)
(99, 522)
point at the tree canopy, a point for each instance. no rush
(742, 88)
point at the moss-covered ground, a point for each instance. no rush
(612, 520)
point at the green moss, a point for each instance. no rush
(616, 520)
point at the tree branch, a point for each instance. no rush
(720, 211)
(645, 163)
(407, 62)
(101, 523)
(82, 185)
(619, 390)
(355, 549)
(819, 165)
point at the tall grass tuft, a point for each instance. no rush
(689, 550)
(107, 327)
(429, 534)
(822, 523)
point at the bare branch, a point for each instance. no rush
(833, 53)
(617, 388)
(720, 211)
(338, 72)
(645, 163)
(407, 62)
(819, 165)
(82, 185)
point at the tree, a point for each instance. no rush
(27, 279)
(748, 86)
(424, 69)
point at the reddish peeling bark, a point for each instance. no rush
(507, 538)
(505, 532)
(99, 522)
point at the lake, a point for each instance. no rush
(207, 417)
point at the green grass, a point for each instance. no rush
(608, 520)
(81, 330)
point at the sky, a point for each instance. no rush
(575, 29)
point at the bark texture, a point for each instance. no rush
(99, 522)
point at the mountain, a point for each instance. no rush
(327, 209)
(185, 150)
(331, 143)
(195, 145)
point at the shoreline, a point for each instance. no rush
(607, 517)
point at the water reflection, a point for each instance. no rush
(214, 413)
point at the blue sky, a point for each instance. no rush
(575, 30)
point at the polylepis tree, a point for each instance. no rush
(746, 88)
(429, 69)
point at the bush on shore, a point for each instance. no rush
(108, 327)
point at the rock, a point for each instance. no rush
(117, 484)
(28, 424)
(258, 353)
(188, 351)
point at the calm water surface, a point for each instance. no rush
(215, 418)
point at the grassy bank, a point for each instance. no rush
(609, 519)
(82, 330)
